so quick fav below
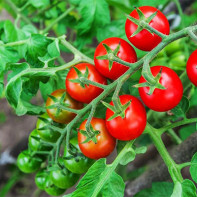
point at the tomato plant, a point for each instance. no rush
(145, 40)
(163, 100)
(78, 164)
(125, 52)
(47, 57)
(79, 91)
(105, 142)
(192, 68)
(134, 122)
(63, 116)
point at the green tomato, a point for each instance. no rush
(64, 179)
(178, 61)
(51, 189)
(46, 134)
(34, 144)
(78, 165)
(174, 47)
(40, 179)
(28, 164)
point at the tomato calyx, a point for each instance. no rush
(118, 109)
(152, 86)
(142, 22)
(58, 103)
(81, 76)
(90, 135)
(110, 54)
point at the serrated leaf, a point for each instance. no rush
(39, 3)
(93, 13)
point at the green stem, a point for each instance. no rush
(12, 44)
(17, 11)
(147, 26)
(176, 124)
(87, 81)
(172, 166)
(75, 51)
(183, 165)
(174, 136)
(56, 20)
(110, 169)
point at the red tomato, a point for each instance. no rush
(105, 142)
(144, 40)
(132, 125)
(192, 68)
(64, 116)
(163, 100)
(126, 53)
(87, 94)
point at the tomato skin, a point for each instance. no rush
(40, 179)
(163, 100)
(46, 134)
(77, 167)
(26, 163)
(105, 142)
(64, 116)
(144, 40)
(90, 92)
(192, 68)
(34, 144)
(126, 53)
(51, 189)
(134, 123)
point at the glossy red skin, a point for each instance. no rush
(192, 68)
(105, 142)
(126, 53)
(144, 40)
(64, 116)
(163, 100)
(90, 92)
(134, 123)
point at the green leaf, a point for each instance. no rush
(94, 13)
(97, 179)
(193, 167)
(184, 189)
(160, 189)
(113, 29)
(193, 99)
(23, 84)
(37, 47)
(181, 109)
(114, 187)
(39, 3)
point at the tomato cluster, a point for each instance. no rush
(98, 139)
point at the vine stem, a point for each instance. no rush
(57, 20)
(112, 167)
(18, 12)
(176, 124)
(172, 166)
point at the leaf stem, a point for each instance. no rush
(57, 20)
(172, 166)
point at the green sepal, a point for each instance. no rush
(117, 113)
(80, 75)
